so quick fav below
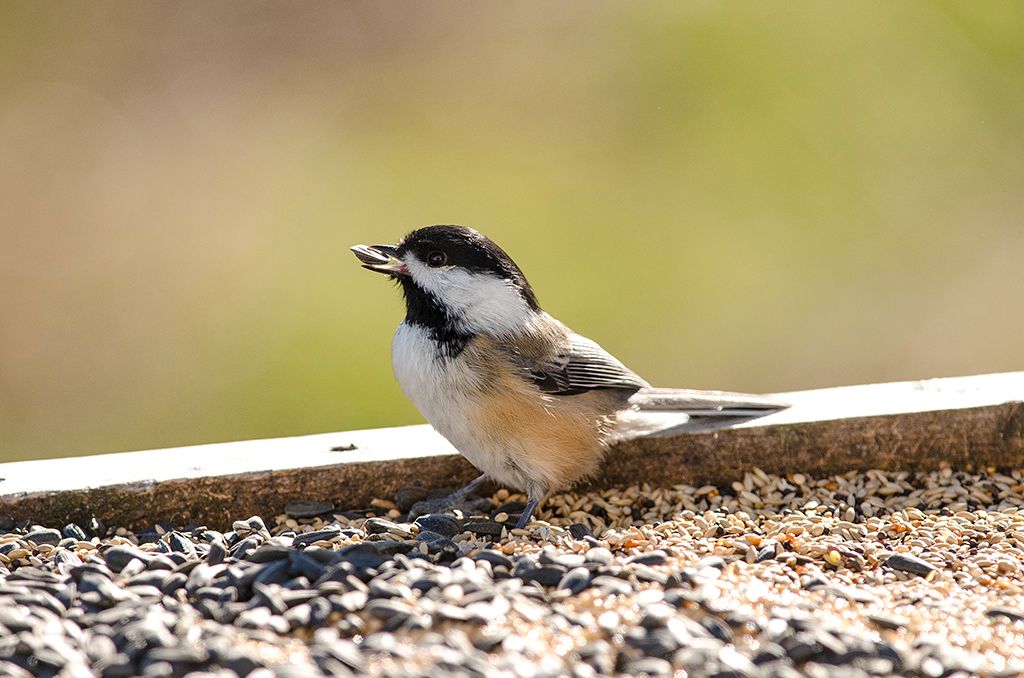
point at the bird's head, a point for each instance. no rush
(455, 275)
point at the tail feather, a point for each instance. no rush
(705, 403)
(666, 411)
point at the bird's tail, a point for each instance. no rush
(705, 403)
(672, 410)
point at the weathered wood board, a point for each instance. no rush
(964, 421)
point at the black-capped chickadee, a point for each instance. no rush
(526, 400)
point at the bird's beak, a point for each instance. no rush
(381, 258)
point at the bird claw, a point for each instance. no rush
(459, 499)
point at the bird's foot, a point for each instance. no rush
(459, 496)
(459, 499)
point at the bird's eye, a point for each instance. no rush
(435, 259)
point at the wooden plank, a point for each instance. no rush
(965, 421)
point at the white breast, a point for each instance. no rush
(426, 377)
(441, 388)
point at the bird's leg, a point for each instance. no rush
(527, 515)
(459, 495)
(455, 500)
(536, 490)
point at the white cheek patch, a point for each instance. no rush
(480, 302)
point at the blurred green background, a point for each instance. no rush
(749, 196)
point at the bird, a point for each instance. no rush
(530, 403)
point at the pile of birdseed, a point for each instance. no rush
(862, 574)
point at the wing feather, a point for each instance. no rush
(581, 366)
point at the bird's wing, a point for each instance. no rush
(581, 365)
